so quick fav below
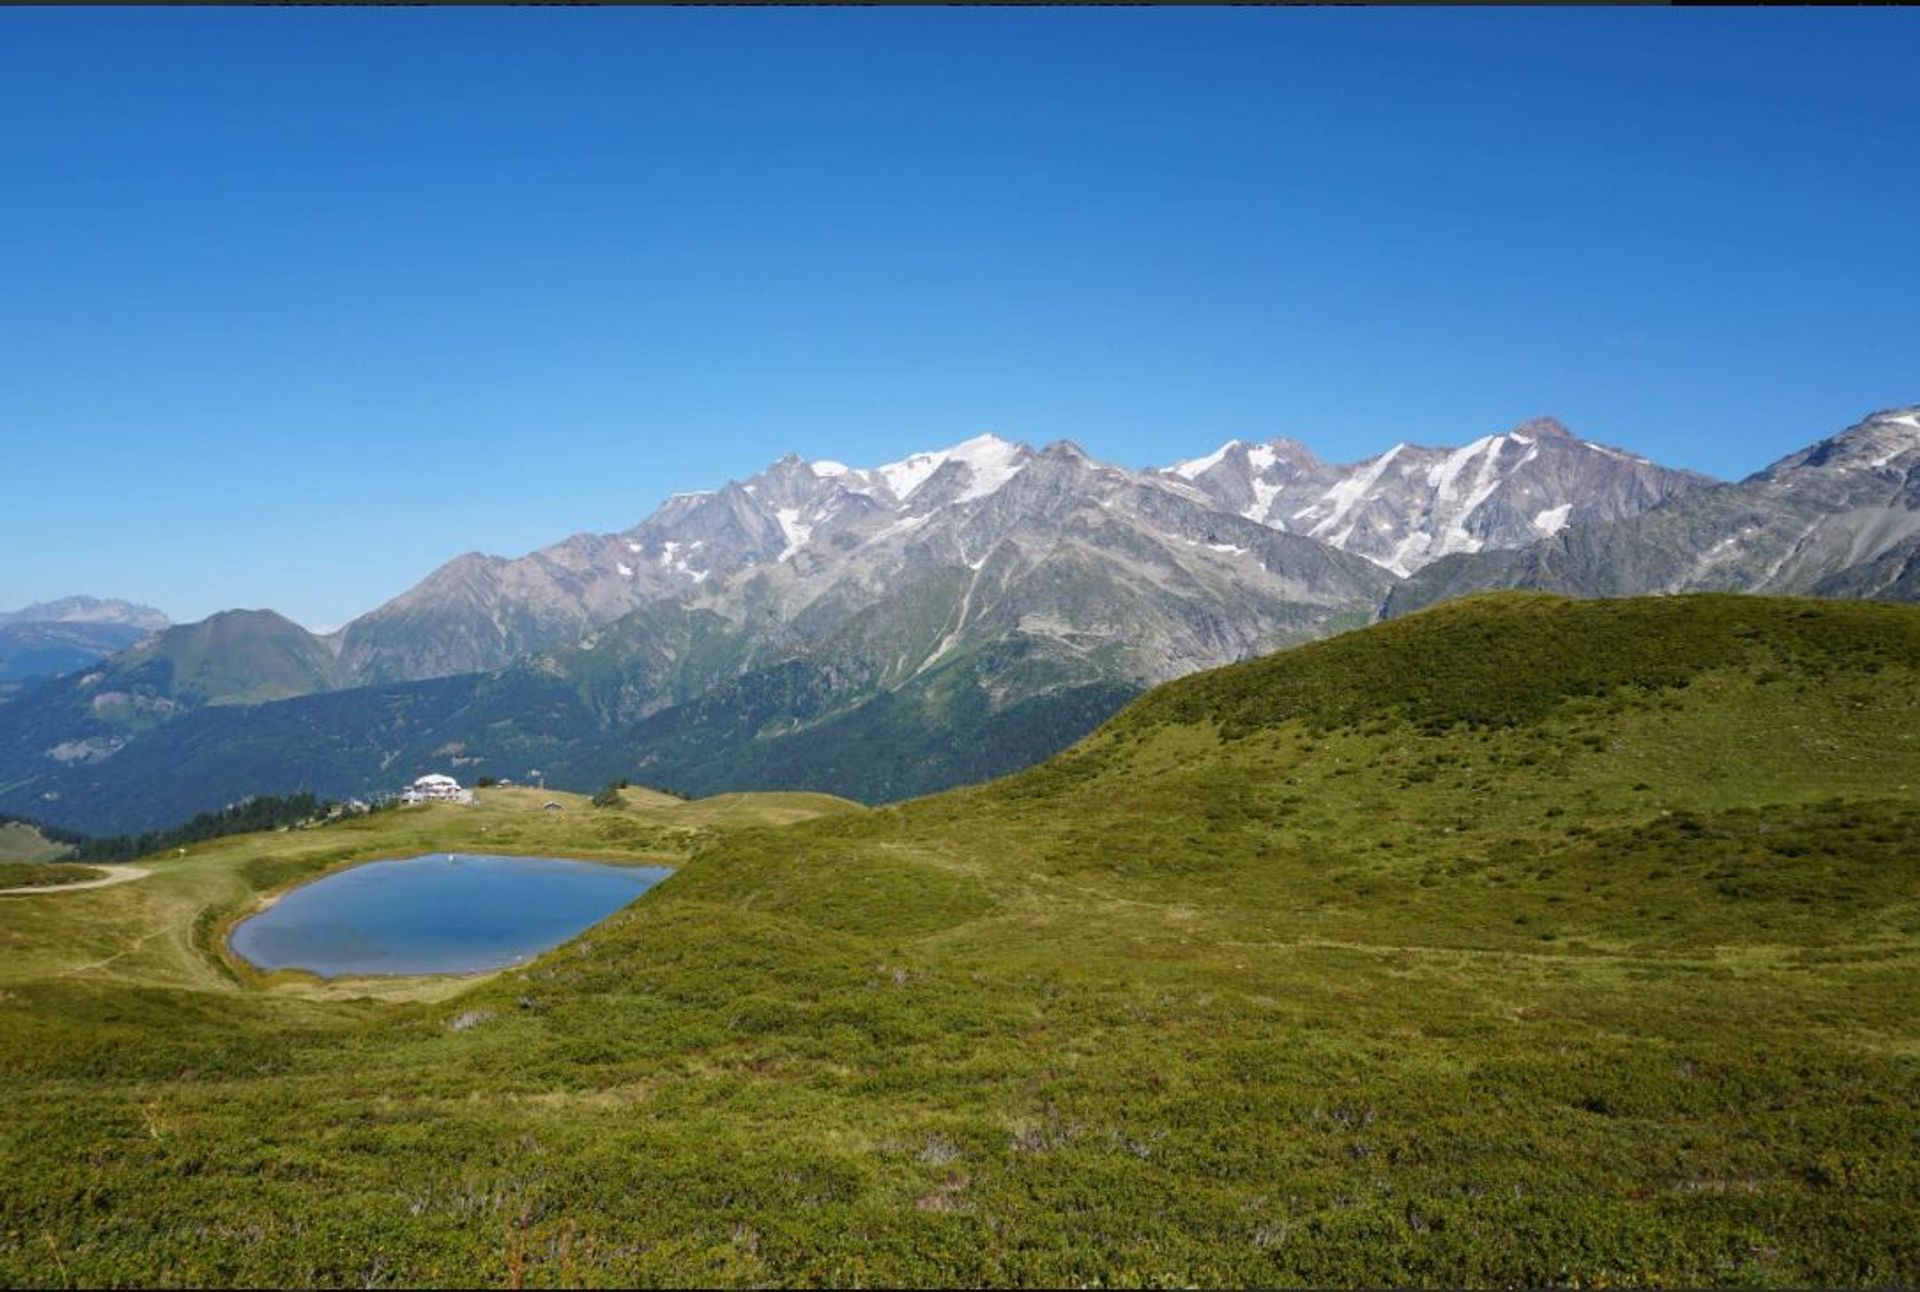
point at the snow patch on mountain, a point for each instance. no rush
(903, 477)
(990, 462)
(797, 533)
(901, 526)
(1900, 442)
(1457, 539)
(1409, 552)
(1616, 453)
(1552, 519)
(1444, 477)
(1348, 494)
(1192, 468)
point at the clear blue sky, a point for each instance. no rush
(298, 303)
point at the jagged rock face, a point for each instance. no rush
(802, 546)
(1412, 505)
(929, 554)
(1088, 559)
(1099, 574)
(472, 614)
(1840, 518)
(479, 613)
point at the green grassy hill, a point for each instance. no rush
(1520, 941)
(75, 724)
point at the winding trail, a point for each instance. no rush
(114, 875)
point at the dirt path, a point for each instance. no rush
(114, 875)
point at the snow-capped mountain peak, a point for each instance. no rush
(1540, 428)
(988, 460)
(1194, 468)
(1411, 505)
(801, 530)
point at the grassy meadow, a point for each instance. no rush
(40, 874)
(1520, 941)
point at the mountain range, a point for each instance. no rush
(890, 631)
(1840, 518)
(1412, 505)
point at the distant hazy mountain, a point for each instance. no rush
(1411, 505)
(87, 610)
(1840, 518)
(54, 637)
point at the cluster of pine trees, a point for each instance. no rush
(261, 812)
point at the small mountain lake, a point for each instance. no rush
(447, 913)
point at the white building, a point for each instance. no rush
(435, 788)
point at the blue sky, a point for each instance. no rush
(298, 303)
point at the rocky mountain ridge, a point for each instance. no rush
(1840, 517)
(1412, 505)
(804, 526)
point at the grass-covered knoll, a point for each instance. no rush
(36, 874)
(1615, 985)
(1507, 658)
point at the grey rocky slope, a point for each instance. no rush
(823, 522)
(1412, 505)
(1839, 518)
(987, 535)
(890, 573)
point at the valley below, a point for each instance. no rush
(1518, 941)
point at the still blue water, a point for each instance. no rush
(444, 913)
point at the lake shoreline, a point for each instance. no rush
(437, 915)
